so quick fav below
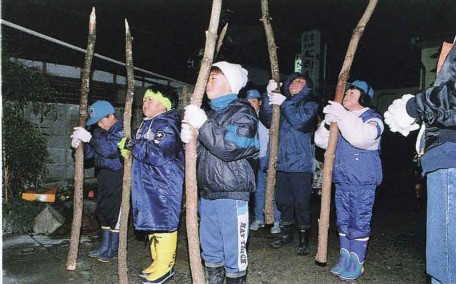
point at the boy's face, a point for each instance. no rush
(217, 85)
(297, 85)
(351, 99)
(255, 103)
(106, 122)
(152, 108)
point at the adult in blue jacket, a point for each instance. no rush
(157, 180)
(298, 120)
(101, 146)
(435, 107)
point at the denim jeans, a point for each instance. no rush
(260, 193)
(441, 226)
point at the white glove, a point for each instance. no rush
(82, 134)
(186, 133)
(276, 99)
(194, 116)
(337, 111)
(329, 117)
(397, 118)
(272, 86)
(75, 143)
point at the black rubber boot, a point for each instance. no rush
(215, 275)
(303, 245)
(286, 238)
(236, 280)
(113, 248)
(104, 243)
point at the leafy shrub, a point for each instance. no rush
(19, 215)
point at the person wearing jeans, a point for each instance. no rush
(254, 98)
(435, 107)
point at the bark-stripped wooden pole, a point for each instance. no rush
(323, 224)
(79, 156)
(191, 188)
(274, 128)
(126, 181)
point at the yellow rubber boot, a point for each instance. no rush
(165, 258)
(153, 254)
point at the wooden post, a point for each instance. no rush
(274, 128)
(191, 188)
(79, 156)
(126, 181)
(323, 224)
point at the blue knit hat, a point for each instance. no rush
(98, 110)
(252, 94)
(363, 86)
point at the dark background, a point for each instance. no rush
(167, 33)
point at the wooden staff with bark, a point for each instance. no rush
(191, 188)
(274, 128)
(126, 181)
(323, 225)
(79, 156)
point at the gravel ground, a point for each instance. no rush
(396, 253)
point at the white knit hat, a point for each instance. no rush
(234, 73)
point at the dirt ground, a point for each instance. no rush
(396, 253)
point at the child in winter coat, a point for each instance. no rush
(227, 140)
(357, 173)
(101, 146)
(157, 180)
(254, 98)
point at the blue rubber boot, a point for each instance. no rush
(356, 265)
(111, 253)
(344, 258)
(104, 243)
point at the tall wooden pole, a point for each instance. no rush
(79, 156)
(126, 181)
(274, 128)
(191, 187)
(323, 225)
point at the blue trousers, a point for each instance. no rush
(441, 226)
(293, 191)
(354, 210)
(260, 193)
(224, 228)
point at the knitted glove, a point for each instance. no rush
(186, 133)
(82, 134)
(276, 99)
(124, 146)
(397, 118)
(194, 116)
(337, 111)
(75, 143)
(329, 117)
(272, 86)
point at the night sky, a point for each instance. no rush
(167, 33)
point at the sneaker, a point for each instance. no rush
(276, 228)
(256, 225)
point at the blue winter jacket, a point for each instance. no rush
(103, 147)
(227, 145)
(298, 119)
(158, 173)
(358, 167)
